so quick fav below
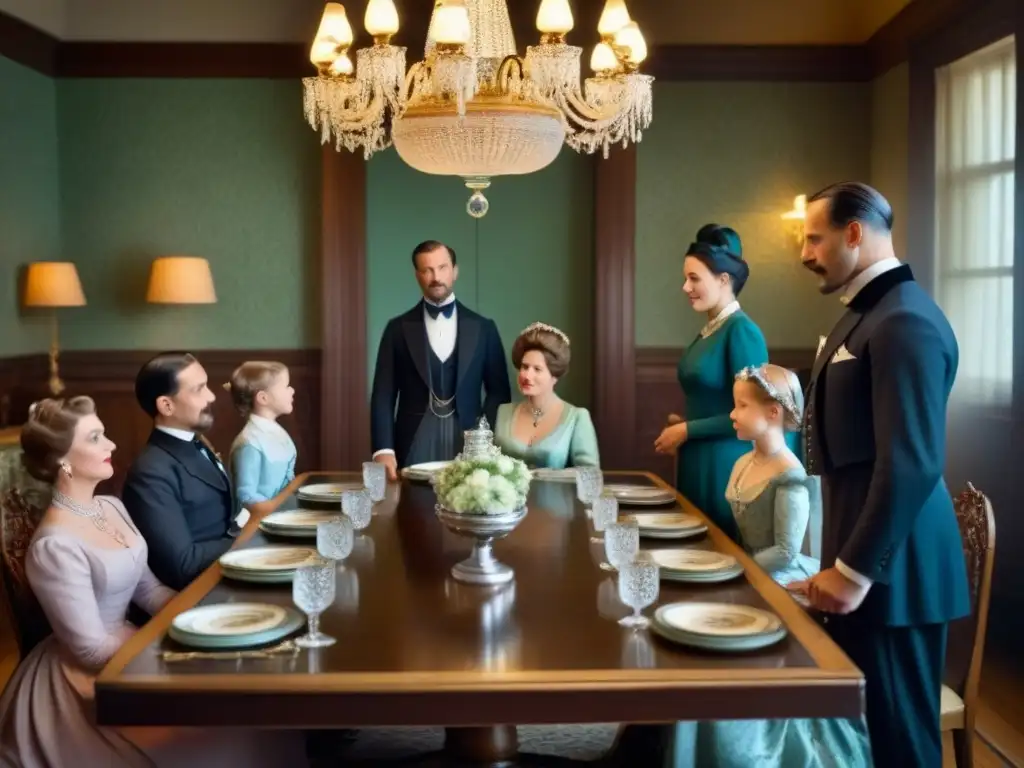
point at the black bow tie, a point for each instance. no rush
(433, 310)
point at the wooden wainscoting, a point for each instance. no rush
(658, 394)
(108, 376)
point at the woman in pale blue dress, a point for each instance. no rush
(542, 429)
(262, 458)
(772, 498)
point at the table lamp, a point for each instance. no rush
(180, 280)
(53, 284)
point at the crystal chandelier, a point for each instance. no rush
(472, 107)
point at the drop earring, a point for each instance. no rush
(66, 469)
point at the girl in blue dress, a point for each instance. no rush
(263, 455)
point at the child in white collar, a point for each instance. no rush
(263, 455)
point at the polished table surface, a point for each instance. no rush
(416, 647)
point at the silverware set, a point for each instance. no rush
(285, 648)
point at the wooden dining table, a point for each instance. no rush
(415, 647)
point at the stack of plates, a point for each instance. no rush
(718, 626)
(266, 565)
(234, 625)
(555, 475)
(669, 525)
(326, 493)
(296, 523)
(695, 566)
(422, 473)
(641, 495)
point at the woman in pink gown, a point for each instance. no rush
(85, 564)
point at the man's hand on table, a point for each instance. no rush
(390, 463)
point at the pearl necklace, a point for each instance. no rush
(92, 512)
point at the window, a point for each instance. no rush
(974, 174)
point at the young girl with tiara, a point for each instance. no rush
(772, 498)
(263, 455)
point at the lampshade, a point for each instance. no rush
(181, 280)
(799, 211)
(53, 284)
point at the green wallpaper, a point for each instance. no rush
(737, 154)
(529, 259)
(29, 198)
(223, 169)
(890, 172)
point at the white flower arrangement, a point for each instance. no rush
(483, 485)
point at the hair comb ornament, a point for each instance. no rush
(756, 374)
(549, 329)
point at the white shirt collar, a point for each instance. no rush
(856, 285)
(267, 425)
(181, 434)
(446, 302)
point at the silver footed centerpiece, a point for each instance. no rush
(482, 496)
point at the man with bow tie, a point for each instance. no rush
(439, 366)
(893, 573)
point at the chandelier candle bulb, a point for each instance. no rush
(342, 66)
(381, 20)
(613, 18)
(631, 39)
(334, 26)
(603, 59)
(554, 18)
(451, 23)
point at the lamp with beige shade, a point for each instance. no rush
(180, 280)
(795, 218)
(53, 284)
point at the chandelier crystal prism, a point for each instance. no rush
(473, 107)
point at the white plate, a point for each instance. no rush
(692, 560)
(269, 559)
(674, 534)
(665, 522)
(424, 471)
(718, 619)
(298, 518)
(230, 619)
(640, 494)
(327, 492)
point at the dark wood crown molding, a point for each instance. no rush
(889, 46)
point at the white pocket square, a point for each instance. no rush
(842, 354)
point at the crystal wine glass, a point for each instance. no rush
(639, 581)
(358, 507)
(604, 511)
(621, 544)
(375, 480)
(589, 482)
(335, 538)
(312, 593)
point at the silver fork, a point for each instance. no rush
(281, 649)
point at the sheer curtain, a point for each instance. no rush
(974, 163)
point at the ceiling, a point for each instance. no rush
(736, 22)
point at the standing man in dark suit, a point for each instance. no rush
(441, 363)
(177, 491)
(893, 573)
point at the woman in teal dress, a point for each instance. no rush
(771, 497)
(542, 429)
(705, 443)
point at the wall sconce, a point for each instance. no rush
(180, 280)
(795, 218)
(53, 284)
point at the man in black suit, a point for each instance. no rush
(433, 363)
(893, 573)
(177, 491)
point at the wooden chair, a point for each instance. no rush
(20, 512)
(966, 644)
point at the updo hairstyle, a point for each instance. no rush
(778, 385)
(49, 434)
(550, 342)
(720, 250)
(251, 378)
